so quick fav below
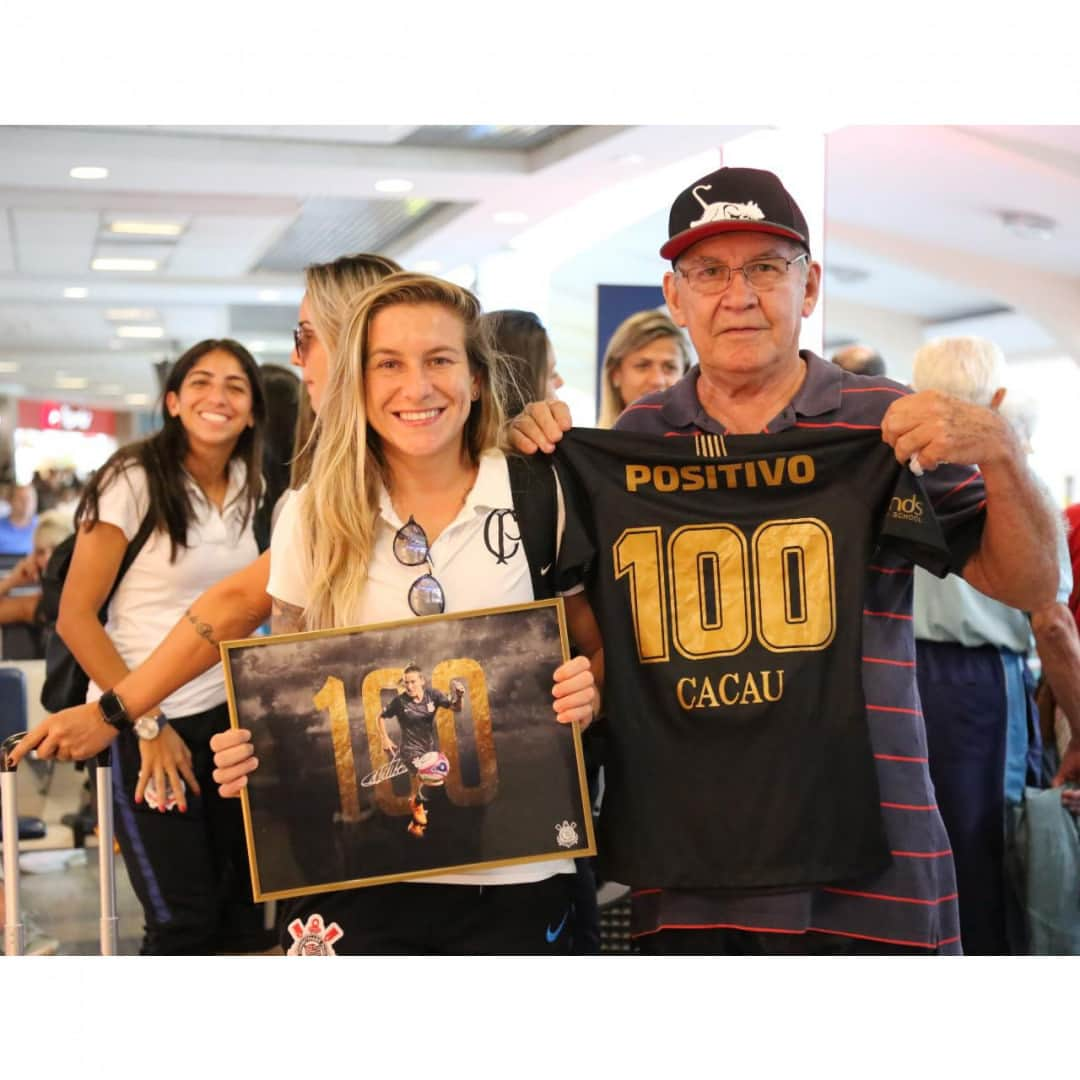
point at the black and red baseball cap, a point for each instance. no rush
(733, 200)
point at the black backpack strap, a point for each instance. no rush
(532, 485)
(138, 542)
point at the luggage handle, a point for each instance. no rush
(14, 932)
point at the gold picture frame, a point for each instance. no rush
(330, 807)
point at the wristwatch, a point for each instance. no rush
(114, 712)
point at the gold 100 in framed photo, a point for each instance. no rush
(407, 749)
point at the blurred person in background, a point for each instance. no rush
(860, 360)
(529, 371)
(23, 579)
(976, 689)
(282, 389)
(647, 352)
(17, 526)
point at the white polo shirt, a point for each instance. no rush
(154, 594)
(469, 572)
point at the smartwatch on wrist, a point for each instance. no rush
(114, 712)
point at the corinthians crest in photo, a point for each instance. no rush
(406, 749)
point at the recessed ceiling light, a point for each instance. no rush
(140, 331)
(428, 266)
(141, 265)
(131, 314)
(137, 399)
(392, 186)
(8, 367)
(71, 382)
(76, 293)
(256, 346)
(146, 228)
(269, 296)
(510, 217)
(89, 172)
(110, 389)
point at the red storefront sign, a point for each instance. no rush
(60, 416)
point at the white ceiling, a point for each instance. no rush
(912, 228)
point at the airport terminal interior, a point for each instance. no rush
(121, 248)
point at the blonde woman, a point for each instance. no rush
(418, 379)
(647, 352)
(238, 604)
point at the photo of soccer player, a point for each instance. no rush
(414, 709)
(407, 749)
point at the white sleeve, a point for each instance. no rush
(124, 500)
(288, 574)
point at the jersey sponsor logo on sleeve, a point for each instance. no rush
(909, 509)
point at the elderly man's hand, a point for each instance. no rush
(72, 735)
(941, 430)
(540, 426)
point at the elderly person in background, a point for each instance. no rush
(976, 690)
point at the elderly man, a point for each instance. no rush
(976, 690)
(753, 814)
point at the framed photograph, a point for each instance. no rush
(407, 749)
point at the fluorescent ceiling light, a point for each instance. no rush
(428, 266)
(140, 331)
(146, 228)
(131, 314)
(141, 265)
(269, 296)
(510, 217)
(71, 382)
(110, 389)
(8, 367)
(137, 399)
(76, 293)
(89, 172)
(256, 346)
(392, 186)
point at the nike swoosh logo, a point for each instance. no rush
(552, 935)
(545, 569)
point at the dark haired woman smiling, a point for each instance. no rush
(198, 481)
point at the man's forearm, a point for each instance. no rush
(1058, 643)
(1016, 561)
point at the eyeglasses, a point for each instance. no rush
(300, 339)
(761, 274)
(411, 548)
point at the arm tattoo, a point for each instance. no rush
(286, 618)
(203, 629)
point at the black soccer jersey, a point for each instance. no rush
(417, 722)
(727, 574)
